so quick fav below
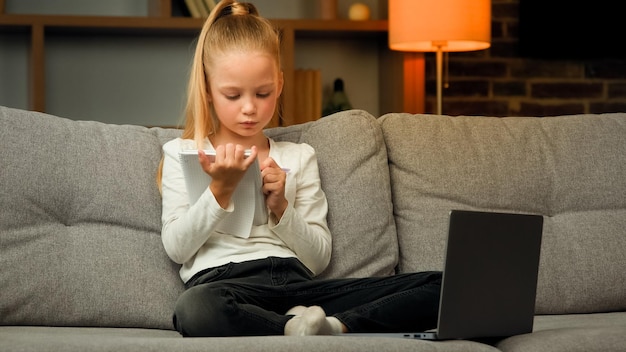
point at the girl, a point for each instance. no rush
(263, 284)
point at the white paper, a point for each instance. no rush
(248, 199)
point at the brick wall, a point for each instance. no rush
(498, 82)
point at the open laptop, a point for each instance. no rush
(490, 277)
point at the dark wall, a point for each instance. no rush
(499, 81)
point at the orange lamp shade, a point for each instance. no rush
(452, 25)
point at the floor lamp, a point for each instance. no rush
(438, 26)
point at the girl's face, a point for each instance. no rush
(244, 90)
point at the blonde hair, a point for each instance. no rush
(232, 25)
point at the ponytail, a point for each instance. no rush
(231, 25)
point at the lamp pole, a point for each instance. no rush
(439, 45)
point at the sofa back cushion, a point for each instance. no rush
(569, 169)
(353, 168)
(80, 224)
(80, 217)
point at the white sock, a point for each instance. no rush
(313, 321)
(335, 326)
(297, 310)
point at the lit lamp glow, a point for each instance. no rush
(438, 26)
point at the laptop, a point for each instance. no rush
(489, 279)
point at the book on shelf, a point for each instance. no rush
(200, 8)
(308, 95)
(193, 8)
(210, 4)
(204, 12)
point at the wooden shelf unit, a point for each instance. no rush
(401, 75)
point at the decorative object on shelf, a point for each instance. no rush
(308, 95)
(338, 100)
(441, 25)
(359, 12)
(328, 9)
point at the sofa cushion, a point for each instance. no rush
(600, 332)
(569, 169)
(80, 224)
(54, 339)
(354, 173)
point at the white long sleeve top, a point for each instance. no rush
(189, 232)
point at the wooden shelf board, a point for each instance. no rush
(103, 23)
(161, 23)
(179, 23)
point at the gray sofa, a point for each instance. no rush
(83, 268)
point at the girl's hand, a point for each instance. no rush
(226, 170)
(274, 179)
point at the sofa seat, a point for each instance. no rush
(74, 339)
(551, 333)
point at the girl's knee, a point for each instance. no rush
(202, 311)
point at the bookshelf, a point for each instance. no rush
(400, 76)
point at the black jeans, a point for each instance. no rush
(251, 298)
